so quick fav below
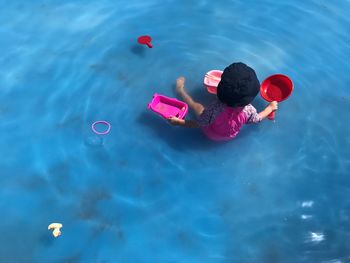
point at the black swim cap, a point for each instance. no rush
(239, 85)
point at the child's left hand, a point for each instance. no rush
(175, 121)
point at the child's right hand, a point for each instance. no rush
(175, 121)
(273, 105)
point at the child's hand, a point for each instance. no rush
(273, 105)
(175, 121)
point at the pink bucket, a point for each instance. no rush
(212, 79)
(168, 107)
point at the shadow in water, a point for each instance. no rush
(60, 174)
(88, 208)
(176, 137)
(46, 239)
(138, 50)
(74, 258)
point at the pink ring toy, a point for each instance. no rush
(101, 122)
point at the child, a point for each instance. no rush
(222, 120)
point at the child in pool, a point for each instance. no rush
(222, 120)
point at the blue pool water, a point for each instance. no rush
(149, 192)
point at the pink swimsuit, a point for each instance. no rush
(222, 123)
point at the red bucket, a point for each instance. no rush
(276, 87)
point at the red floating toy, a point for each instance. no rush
(276, 87)
(145, 40)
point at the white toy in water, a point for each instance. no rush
(56, 229)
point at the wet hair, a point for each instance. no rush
(239, 85)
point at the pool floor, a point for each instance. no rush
(150, 192)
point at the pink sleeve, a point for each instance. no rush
(252, 114)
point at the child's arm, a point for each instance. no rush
(183, 123)
(273, 106)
